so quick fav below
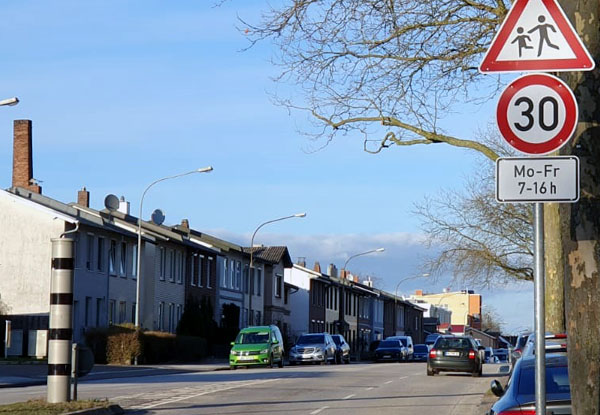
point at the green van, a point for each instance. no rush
(257, 345)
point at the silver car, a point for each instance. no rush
(313, 348)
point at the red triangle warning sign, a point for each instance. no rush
(536, 36)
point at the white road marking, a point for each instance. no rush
(403, 377)
(369, 389)
(349, 396)
(388, 382)
(194, 395)
(318, 410)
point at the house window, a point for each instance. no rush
(100, 263)
(258, 281)
(246, 279)
(162, 266)
(201, 271)
(98, 308)
(258, 318)
(179, 275)
(224, 274)
(112, 258)
(111, 312)
(161, 316)
(231, 276)
(238, 275)
(171, 317)
(278, 279)
(193, 269)
(134, 254)
(90, 253)
(122, 311)
(171, 265)
(209, 272)
(88, 310)
(133, 312)
(123, 260)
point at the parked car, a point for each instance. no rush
(520, 345)
(407, 342)
(500, 355)
(554, 343)
(390, 350)
(519, 396)
(342, 349)
(430, 339)
(454, 354)
(313, 348)
(257, 345)
(421, 352)
(489, 355)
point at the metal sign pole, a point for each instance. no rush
(540, 312)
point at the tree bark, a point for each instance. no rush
(554, 264)
(580, 224)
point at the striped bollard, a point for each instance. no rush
(60, 334)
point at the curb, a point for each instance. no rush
(109, 410)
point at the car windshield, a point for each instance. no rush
(403, 341)
(337, 340)
(254, 337)
(431, 339)
(452, 343)
(420, 348)
(389, 343)
(311, 339)
(557, 380)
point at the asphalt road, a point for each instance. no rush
(365, 388)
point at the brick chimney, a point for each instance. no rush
(419, 293)
(83, 198)
(22, 157)
(185, 224)
(317, 267)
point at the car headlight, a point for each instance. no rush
(233, 352)
(264, 351)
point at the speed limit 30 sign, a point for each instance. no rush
(537, 114)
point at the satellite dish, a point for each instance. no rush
(111, 202)
(158, 217)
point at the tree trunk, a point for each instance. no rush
(554, 265)
(580, 224)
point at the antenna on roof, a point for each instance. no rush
(111, 202)
(158, 217)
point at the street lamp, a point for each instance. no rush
(250, 273)
(9, 101)
(342, 320)
(139, 241)
(396, 296)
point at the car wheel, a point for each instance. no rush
(292, 363)
(338, 359)
(477, 373)
(270, 364)
(232, 367)
(280, 363)
(430, 372)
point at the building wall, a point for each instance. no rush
(169, 296)
(25, 255)
(298, 301)
(459, 303)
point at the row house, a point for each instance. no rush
(362, 314)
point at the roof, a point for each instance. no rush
(272, 254)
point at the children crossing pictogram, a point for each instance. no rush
(536, 36)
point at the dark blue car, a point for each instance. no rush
(421, 352)
(519, 396)
(390, 350)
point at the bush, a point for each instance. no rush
(96, 340)
(124, 344)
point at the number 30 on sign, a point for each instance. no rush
(537, 114)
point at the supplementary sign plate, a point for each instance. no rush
(537, 179)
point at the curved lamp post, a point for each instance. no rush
(139, 241)
(250, 273)
(396, 296)
(9, 101)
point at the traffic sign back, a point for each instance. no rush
(536, 36)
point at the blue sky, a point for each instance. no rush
(123, 93)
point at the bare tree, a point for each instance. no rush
(491, 320)
(481, 242)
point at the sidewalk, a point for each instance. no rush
(15, 375)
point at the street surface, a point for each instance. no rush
(362, 388)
